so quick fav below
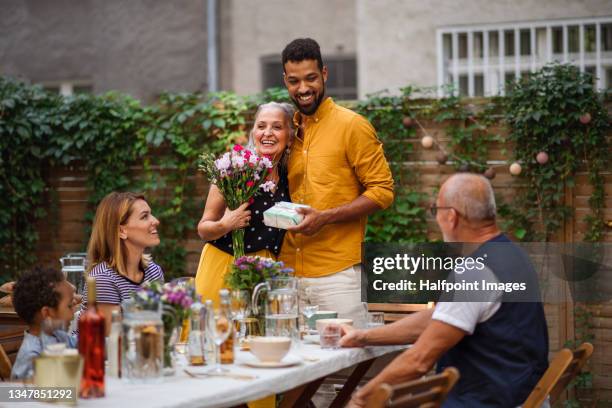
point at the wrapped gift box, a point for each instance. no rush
(283, 215)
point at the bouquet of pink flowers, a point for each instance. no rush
(239, 174)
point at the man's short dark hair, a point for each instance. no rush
(34, 289)
(302, 49)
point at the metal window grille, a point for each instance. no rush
(479, 60)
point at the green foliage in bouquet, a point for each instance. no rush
(248, 271)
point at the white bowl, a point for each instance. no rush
(321, 323)
(271, 348)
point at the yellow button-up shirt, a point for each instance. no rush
(335, 158)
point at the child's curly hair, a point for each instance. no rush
(34, 289)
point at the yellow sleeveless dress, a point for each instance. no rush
(210, 278)
(214, 265)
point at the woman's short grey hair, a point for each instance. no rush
(284, 107)
(472, 195)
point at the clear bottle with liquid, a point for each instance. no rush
(227, 347)
(196, 343)
(209, 344)
(113, 350)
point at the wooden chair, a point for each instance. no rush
(427, 392)
(556, 369)
(5, 365)
(580, 357)
(395, 311)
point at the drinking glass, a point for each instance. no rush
(240, 304)
(219, 327)
(309, 308)
(330, 336)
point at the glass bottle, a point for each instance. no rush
(227, 347)
(113, 354)
(209, 344)
(91, 346)
(195, 346)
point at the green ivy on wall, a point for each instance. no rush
(110, 135)
(26, 122)
(555, 113)
(405, 220)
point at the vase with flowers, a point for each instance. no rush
(249, 271)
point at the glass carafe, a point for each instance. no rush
(281, 307)
(143, 342)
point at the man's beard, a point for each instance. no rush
(313, 108)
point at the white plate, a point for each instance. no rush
(287, 361)
(312, 338)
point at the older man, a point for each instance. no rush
(499, 347)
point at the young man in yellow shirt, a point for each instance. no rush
(337, 167)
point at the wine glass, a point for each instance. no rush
(309, 308)
(219, 328)
(240, 304)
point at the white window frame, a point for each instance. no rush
(454, 67)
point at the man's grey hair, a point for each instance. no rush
(284, 107)
(472, 195)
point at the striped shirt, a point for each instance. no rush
(113, 288)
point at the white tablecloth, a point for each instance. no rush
(183, 391)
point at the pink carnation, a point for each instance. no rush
(238, 148)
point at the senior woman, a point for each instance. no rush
(271, 136)
(123, 228)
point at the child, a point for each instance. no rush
(41, 294)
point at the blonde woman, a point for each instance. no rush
(123, 228)
(271, 135)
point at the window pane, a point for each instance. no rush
(557, 37)
(573, 40)
(272, 74)
(541, 43)
(589, 38)
(509, 43)
(343, 70)
(493, 44)
(447, 46)
(463, 85)
(478, 85)
(463, 45)
(606, 37)
(525, 42)
(477, 52)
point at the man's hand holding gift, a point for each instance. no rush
(312, 223)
